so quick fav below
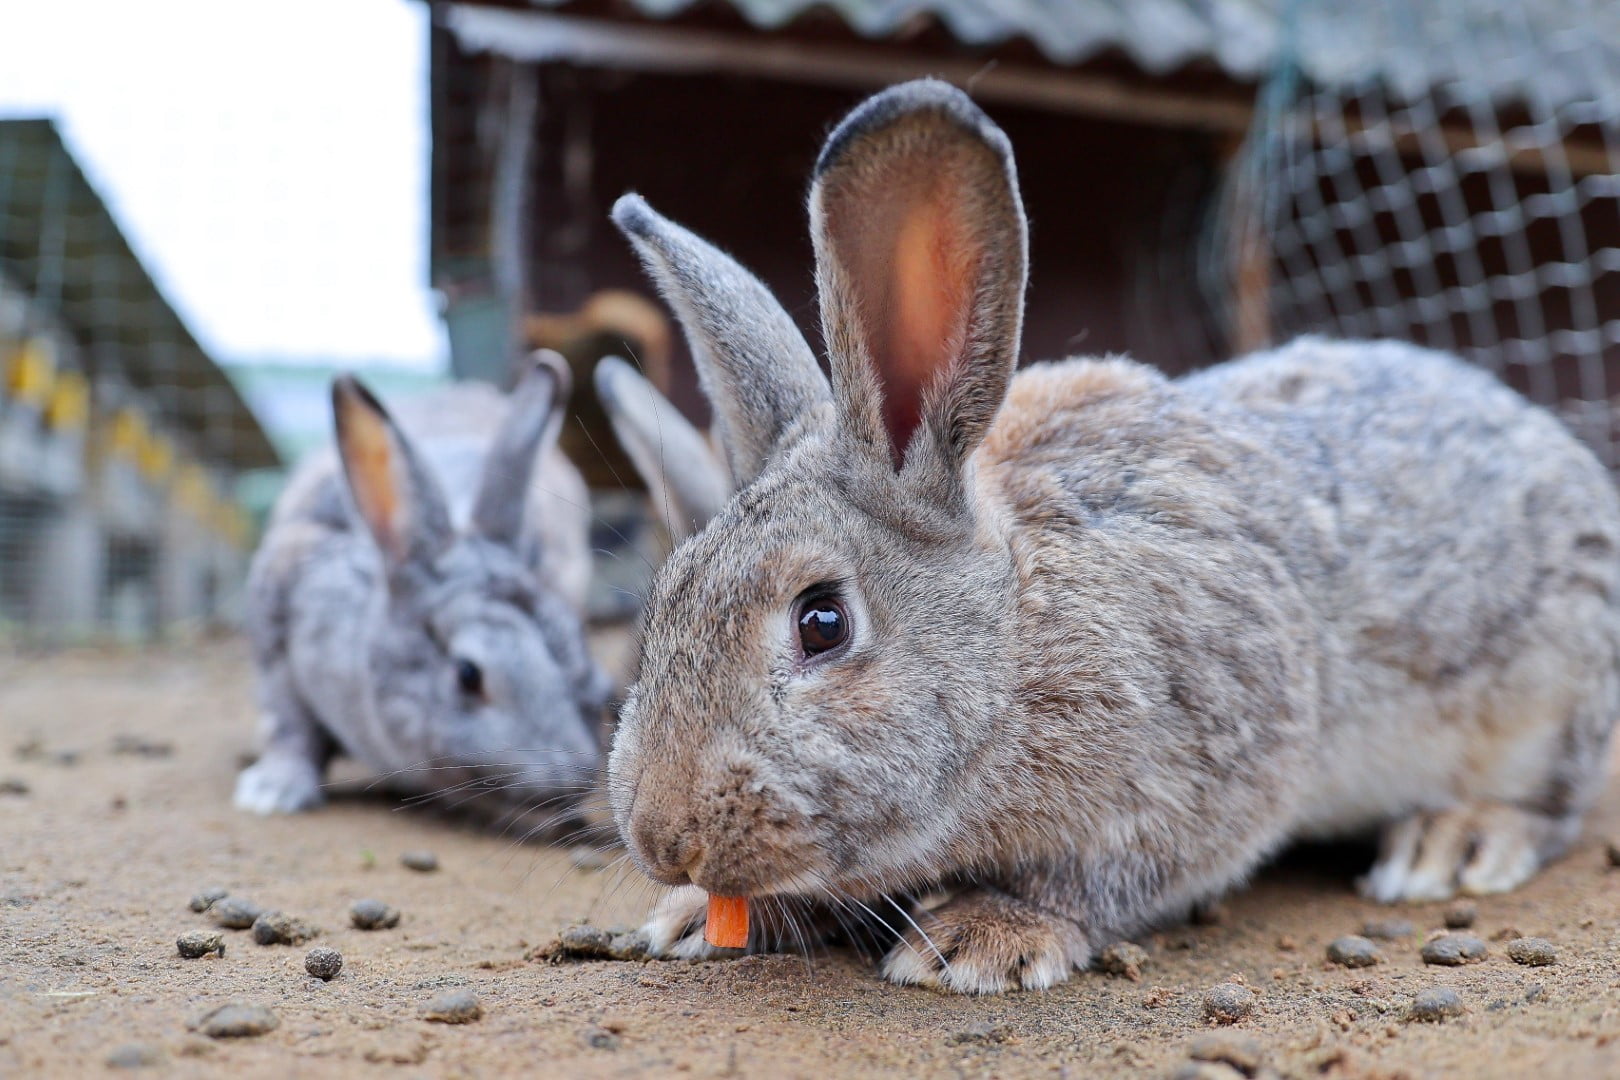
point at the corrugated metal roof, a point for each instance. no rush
(1558, 50)
(59, 243)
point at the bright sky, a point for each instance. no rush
(268, 161)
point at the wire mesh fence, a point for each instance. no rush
(1458, 187)
(120, 439)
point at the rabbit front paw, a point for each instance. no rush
(675, 928)
(1475, 849)
(986, 942)
(278, 784)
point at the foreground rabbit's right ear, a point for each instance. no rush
(687, 483)
(753, 363)
(920, 246)
(399, 502)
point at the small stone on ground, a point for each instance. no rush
(1434, 1004)
(1454, 950)
(134, 1056)
(373, 915)
(236, 1021)
(279, 928)
(1124, 959)
(209, 897)
(1228, 1003)
(1353, 951)
(323, 963)
(1386, 929)
(1532, 951)
(199, 943)
(421, 861)
(1460, 915)
(453, 1007)
(235, 913)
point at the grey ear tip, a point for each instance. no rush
(918, 95)
(632, 215)
(554, 364)
(609, 370)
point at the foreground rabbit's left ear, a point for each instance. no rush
(920, 245)
(686, 481)
(532, 424)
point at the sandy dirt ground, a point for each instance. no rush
(103, 840)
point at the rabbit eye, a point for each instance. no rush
(470, 677)
(823, 625)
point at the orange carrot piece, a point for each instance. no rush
(727, 924)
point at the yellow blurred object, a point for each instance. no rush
(69, 407)
(29, 374)
(192, 491)
(155, 457)
(126, 434)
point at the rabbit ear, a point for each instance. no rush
(920, 264)
(688, 484)
(533, 422)
(397, 499)
(752, 361)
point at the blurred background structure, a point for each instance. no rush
(1202, 177)
(120, 438)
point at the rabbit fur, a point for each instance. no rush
(1113, 638)
(452, 534)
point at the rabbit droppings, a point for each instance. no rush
(1080, 647)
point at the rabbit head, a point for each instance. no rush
(479, 667)
(822, 666)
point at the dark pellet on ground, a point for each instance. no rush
(136, 746)
(235, 913)
(1460, 915)
(583, 942)
(12, 786)
(1532, 951)
(209, 897)
(1124, 959)
(1353, 951)
(323, 963)
(279, 928)
(423, 861)
(134, 1056)
(236, 1021)
(200, 943)
(1454, 950)
(1386, 929)
(1228, 1003)
(453, 1007)
(373, 915)
(1435, 1004)
(1614, 853)
(632, 945)
(1239, 1051)
(1209, 913)
(601, 1039)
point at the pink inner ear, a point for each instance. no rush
(926, 315)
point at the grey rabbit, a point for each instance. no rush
(416, 602)
(1077, 648)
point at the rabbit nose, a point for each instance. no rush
(670, 852)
